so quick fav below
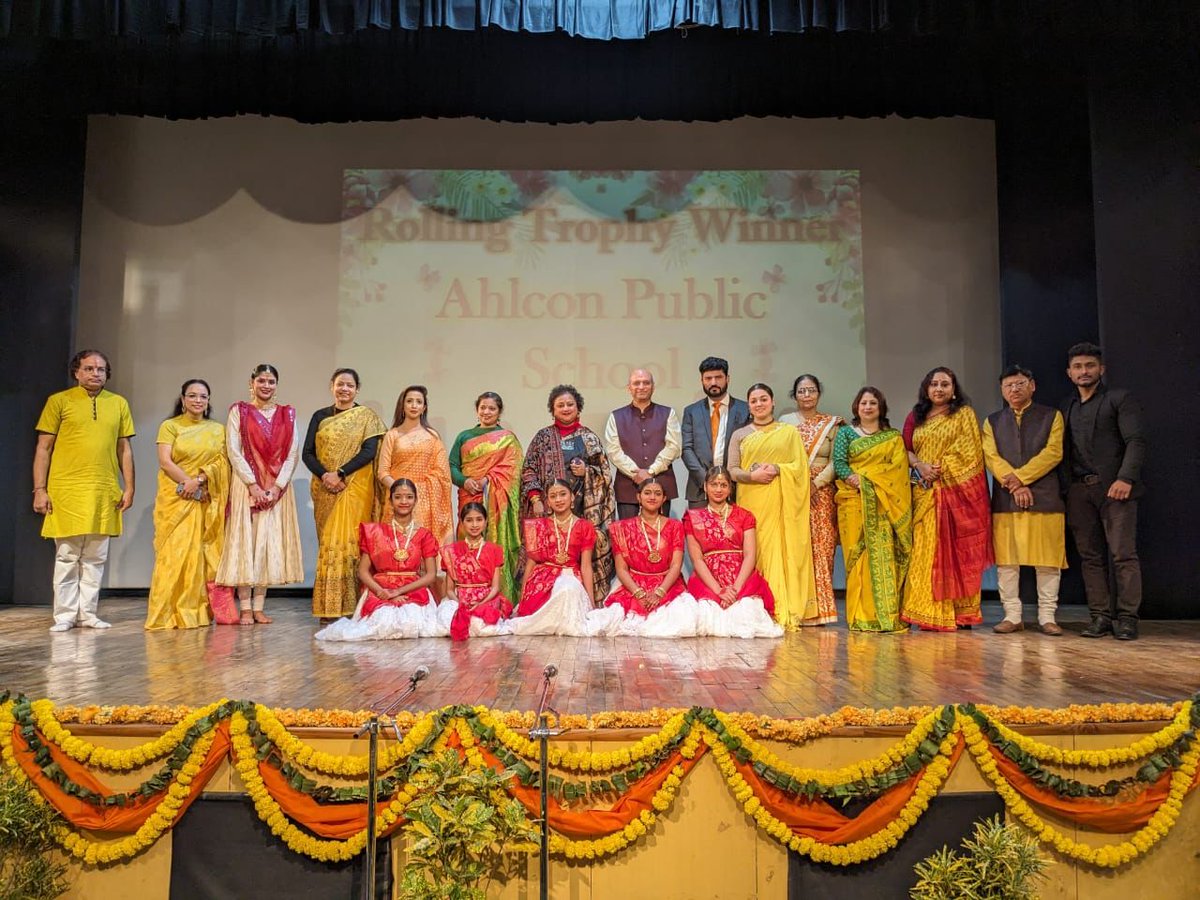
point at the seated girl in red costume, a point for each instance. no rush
(473, 569)
(556, 596)
(397, 567)
(649, 598)
(734, 599)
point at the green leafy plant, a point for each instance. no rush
(29, 866)
(999, 862)
(463, 831)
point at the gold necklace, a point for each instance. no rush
(400, 554)
(478, 550)
(561, 556)
(654, 556)
(723, 518)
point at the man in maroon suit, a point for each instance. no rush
(642, 439)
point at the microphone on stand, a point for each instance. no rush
(419, 674)
(547, 674)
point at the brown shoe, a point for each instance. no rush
(1051, 629)
(1007, 627)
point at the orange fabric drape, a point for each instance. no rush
(335, 821)
(818, 820)
(119, 819)
(1110, 816)
(595, 823)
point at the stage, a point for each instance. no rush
(804, 674)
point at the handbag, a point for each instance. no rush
(223, 603)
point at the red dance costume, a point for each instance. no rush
(553, 550)
(722, 548)
(378, 541)
(472, 571)
(647, 556)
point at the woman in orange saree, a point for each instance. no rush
(952, 523)
(412, 449)
(485, 463)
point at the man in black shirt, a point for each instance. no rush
(1103, 465)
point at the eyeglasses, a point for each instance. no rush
(1015, 386)
(807, 391)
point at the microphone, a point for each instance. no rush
(419, 674)
(549, 672)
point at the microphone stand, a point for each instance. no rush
(371, 729)
(542, 732)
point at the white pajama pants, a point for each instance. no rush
(1009, 583)
(78, 567)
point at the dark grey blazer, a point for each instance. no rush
(1118, 446)
(696, 429)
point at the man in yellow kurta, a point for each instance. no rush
(1022, 446)
(83, 436)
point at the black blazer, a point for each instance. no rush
(696, 431)
(1118, 446)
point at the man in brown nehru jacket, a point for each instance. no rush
(1023, 445)
(642, 439)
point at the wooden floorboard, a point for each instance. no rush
(814, 671)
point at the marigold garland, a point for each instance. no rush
(260, 734)
(1109, 856)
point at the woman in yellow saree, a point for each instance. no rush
(874, 510)
(952, 521)
(485, 463)
(189, 512)
(768, 460)
(339, 450)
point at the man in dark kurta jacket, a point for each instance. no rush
(642, 439)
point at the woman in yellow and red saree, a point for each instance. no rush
(952, 523)
(874, 508)
(485, 464)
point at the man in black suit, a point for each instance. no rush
(1103, 466)
(708, 424)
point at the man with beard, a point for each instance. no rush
(707, 427)
(642, 440)
(1103, 464)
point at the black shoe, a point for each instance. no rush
(1126, 630)
(1099, 628)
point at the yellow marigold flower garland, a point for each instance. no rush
(159, 821)
(1110, 856)
(246, 763)
(335, 764)
(1099, 759)
(106, 757)
(885, 839)
(868, 768)
(582, 760)
(662, 800)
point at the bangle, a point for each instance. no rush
(660, 591)
(640, 594)
(36, 489)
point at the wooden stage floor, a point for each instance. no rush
(814, 671)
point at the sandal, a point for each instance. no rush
(247, 618)
(262, 618)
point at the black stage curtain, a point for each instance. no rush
(222, 849)
(949, 819)
(602, 19)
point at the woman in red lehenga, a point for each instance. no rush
(556, 595)
(649, 598)
(473, 569)
(734, 600)
(397, 567)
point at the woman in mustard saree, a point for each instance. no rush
(952, 521)
(339, 450)
(874, 509)
(485, 464)
(189, 512)
(768, 460)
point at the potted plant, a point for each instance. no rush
(999, 862)
(30, 868)
(463, 831)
